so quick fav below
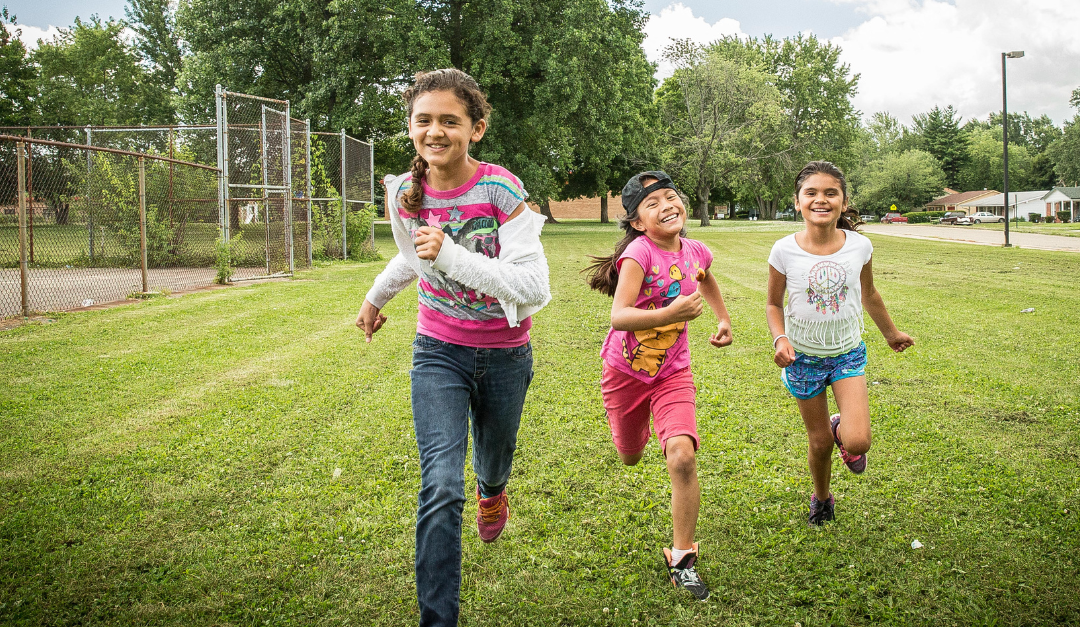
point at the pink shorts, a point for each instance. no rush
(629, 401)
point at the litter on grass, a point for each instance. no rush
(915, 544)
(1028, 310)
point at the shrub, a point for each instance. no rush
(1063, 216)
(1033, 217)
(358, 234)
(227, 256)
(923, 217)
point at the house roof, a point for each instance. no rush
(998, 200)
(1071, 192)
(955, 199)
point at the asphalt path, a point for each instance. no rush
(976, 235)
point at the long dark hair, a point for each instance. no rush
(467, 91)
(603, 274)
(846, 222)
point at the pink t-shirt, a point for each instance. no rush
(471, 216)
(653, 354)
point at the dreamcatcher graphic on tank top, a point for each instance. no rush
(827, 288)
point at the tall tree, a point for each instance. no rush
(986, 165)
(154, 22)
(88, 74)
(942, 136)
(908, 180)
(16, 75)
(1065, 151)
(718, 116)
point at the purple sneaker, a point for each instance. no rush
(855, 463)
(821, 511)
(491, 515)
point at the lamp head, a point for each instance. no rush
(1015, 54)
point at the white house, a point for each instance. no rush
(1019, 202)
(1062, 199)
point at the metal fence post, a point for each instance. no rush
(142, 223)
(310, 189)
(371, 177)
(223, 156)
(24, 272)
(89, 205)
(344, 199)
(288, 186)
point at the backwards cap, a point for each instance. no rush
(634, 192)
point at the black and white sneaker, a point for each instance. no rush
(821, 512)
(684, 576)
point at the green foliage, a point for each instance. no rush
(17, 75)
(941, 136)
(1065, 151)
(227, 256)
(985, 168)
(719, 114)
(909, 179)
(358, 223)
(923, 217)
(88, 74)
(1034, 217)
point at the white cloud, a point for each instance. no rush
(915, 54)
(31, 34)
(678, 22)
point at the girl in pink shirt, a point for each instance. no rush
(658, 279)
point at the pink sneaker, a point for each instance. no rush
(855, 463)
(492, 515)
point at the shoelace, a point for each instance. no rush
(689, 576)
(491, 513)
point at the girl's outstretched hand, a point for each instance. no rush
(428, 242)
(900, 341)
(723, 336)
(685, 307)
(369, 319)
(785, 353)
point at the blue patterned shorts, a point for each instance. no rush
(809, 375)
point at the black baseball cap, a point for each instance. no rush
(634, 192)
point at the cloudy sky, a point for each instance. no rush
(911, 54)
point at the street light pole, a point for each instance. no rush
(1016, 54)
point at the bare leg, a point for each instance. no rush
(685, 491)
(853, 401)
(630, 458)
(815, 415)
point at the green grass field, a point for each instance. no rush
(241, 457)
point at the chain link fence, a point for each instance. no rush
(81, 225)
(284, 197)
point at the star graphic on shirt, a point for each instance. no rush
(433, 220)
(489, 301)
(455, 214)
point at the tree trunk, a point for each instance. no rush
(603, 210)
(767, 208)
(545, 209)
(703, 205)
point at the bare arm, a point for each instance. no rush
(784, 352)
(710, 290)
(626, 317)
(875, 306)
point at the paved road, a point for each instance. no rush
(971, 235)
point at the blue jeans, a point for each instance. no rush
(452, 384)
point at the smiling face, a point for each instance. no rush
(441, 130)
(660, 215)
(821, 199)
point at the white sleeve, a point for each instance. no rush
(776, 257)
(519, 275)
(396, 276)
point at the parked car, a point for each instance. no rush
(955, 217)
(986, 216)
(867, 218)
(893, 217)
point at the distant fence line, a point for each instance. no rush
(121, 210)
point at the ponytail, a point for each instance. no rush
(603, 273)
(413, 200)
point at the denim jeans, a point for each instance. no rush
(452, 384)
